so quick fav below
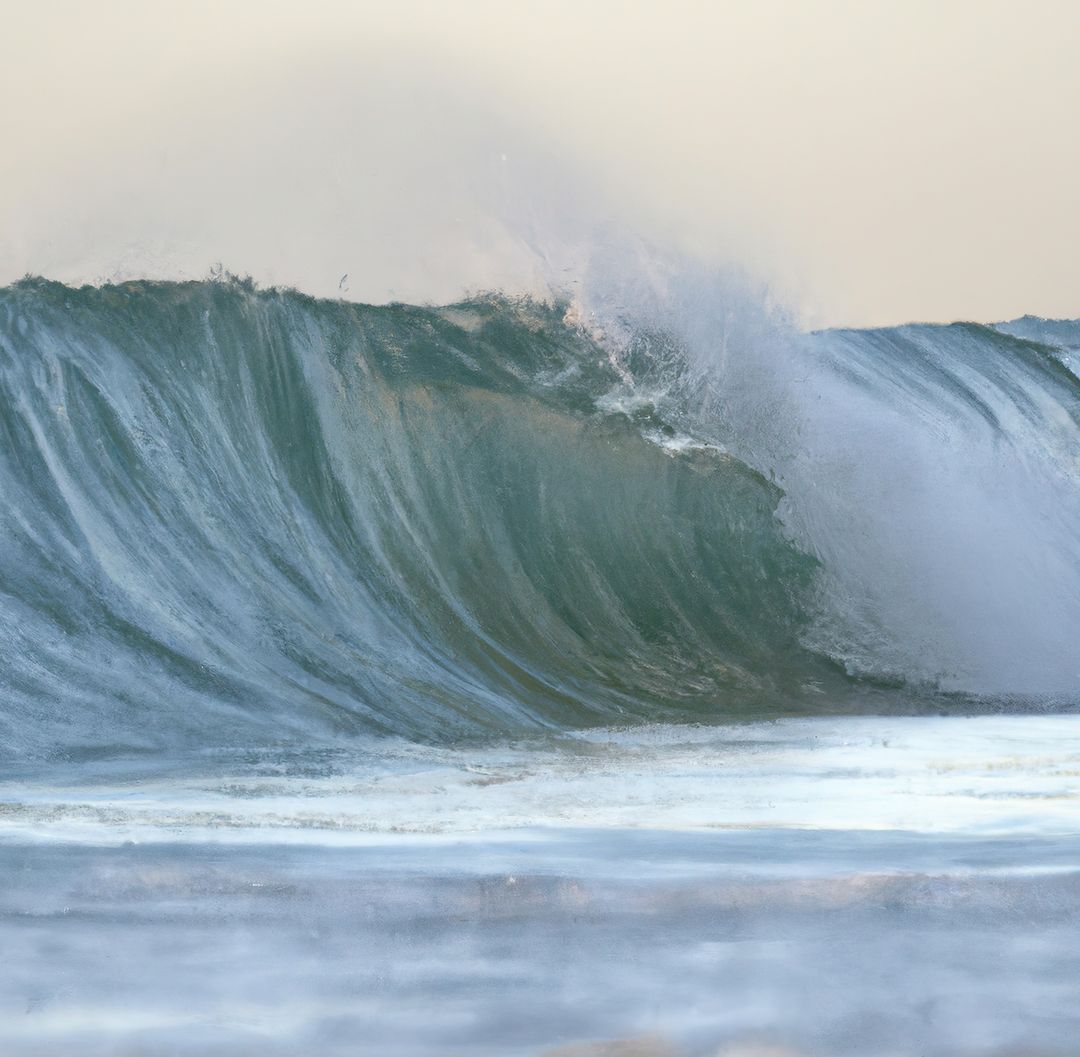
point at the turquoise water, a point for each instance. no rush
(235, 517)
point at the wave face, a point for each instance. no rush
(234, 517)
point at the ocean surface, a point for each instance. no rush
(507, 678)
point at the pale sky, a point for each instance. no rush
(875, 162)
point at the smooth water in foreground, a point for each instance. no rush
(849, 886)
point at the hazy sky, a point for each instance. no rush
(877, 162)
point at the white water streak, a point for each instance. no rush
(987, 776)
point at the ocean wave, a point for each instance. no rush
(235, 516)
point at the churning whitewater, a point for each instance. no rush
(235, 516)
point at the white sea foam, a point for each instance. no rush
(675, 443)
(705, 888)
(985, 776)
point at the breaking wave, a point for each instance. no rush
(233, 516)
